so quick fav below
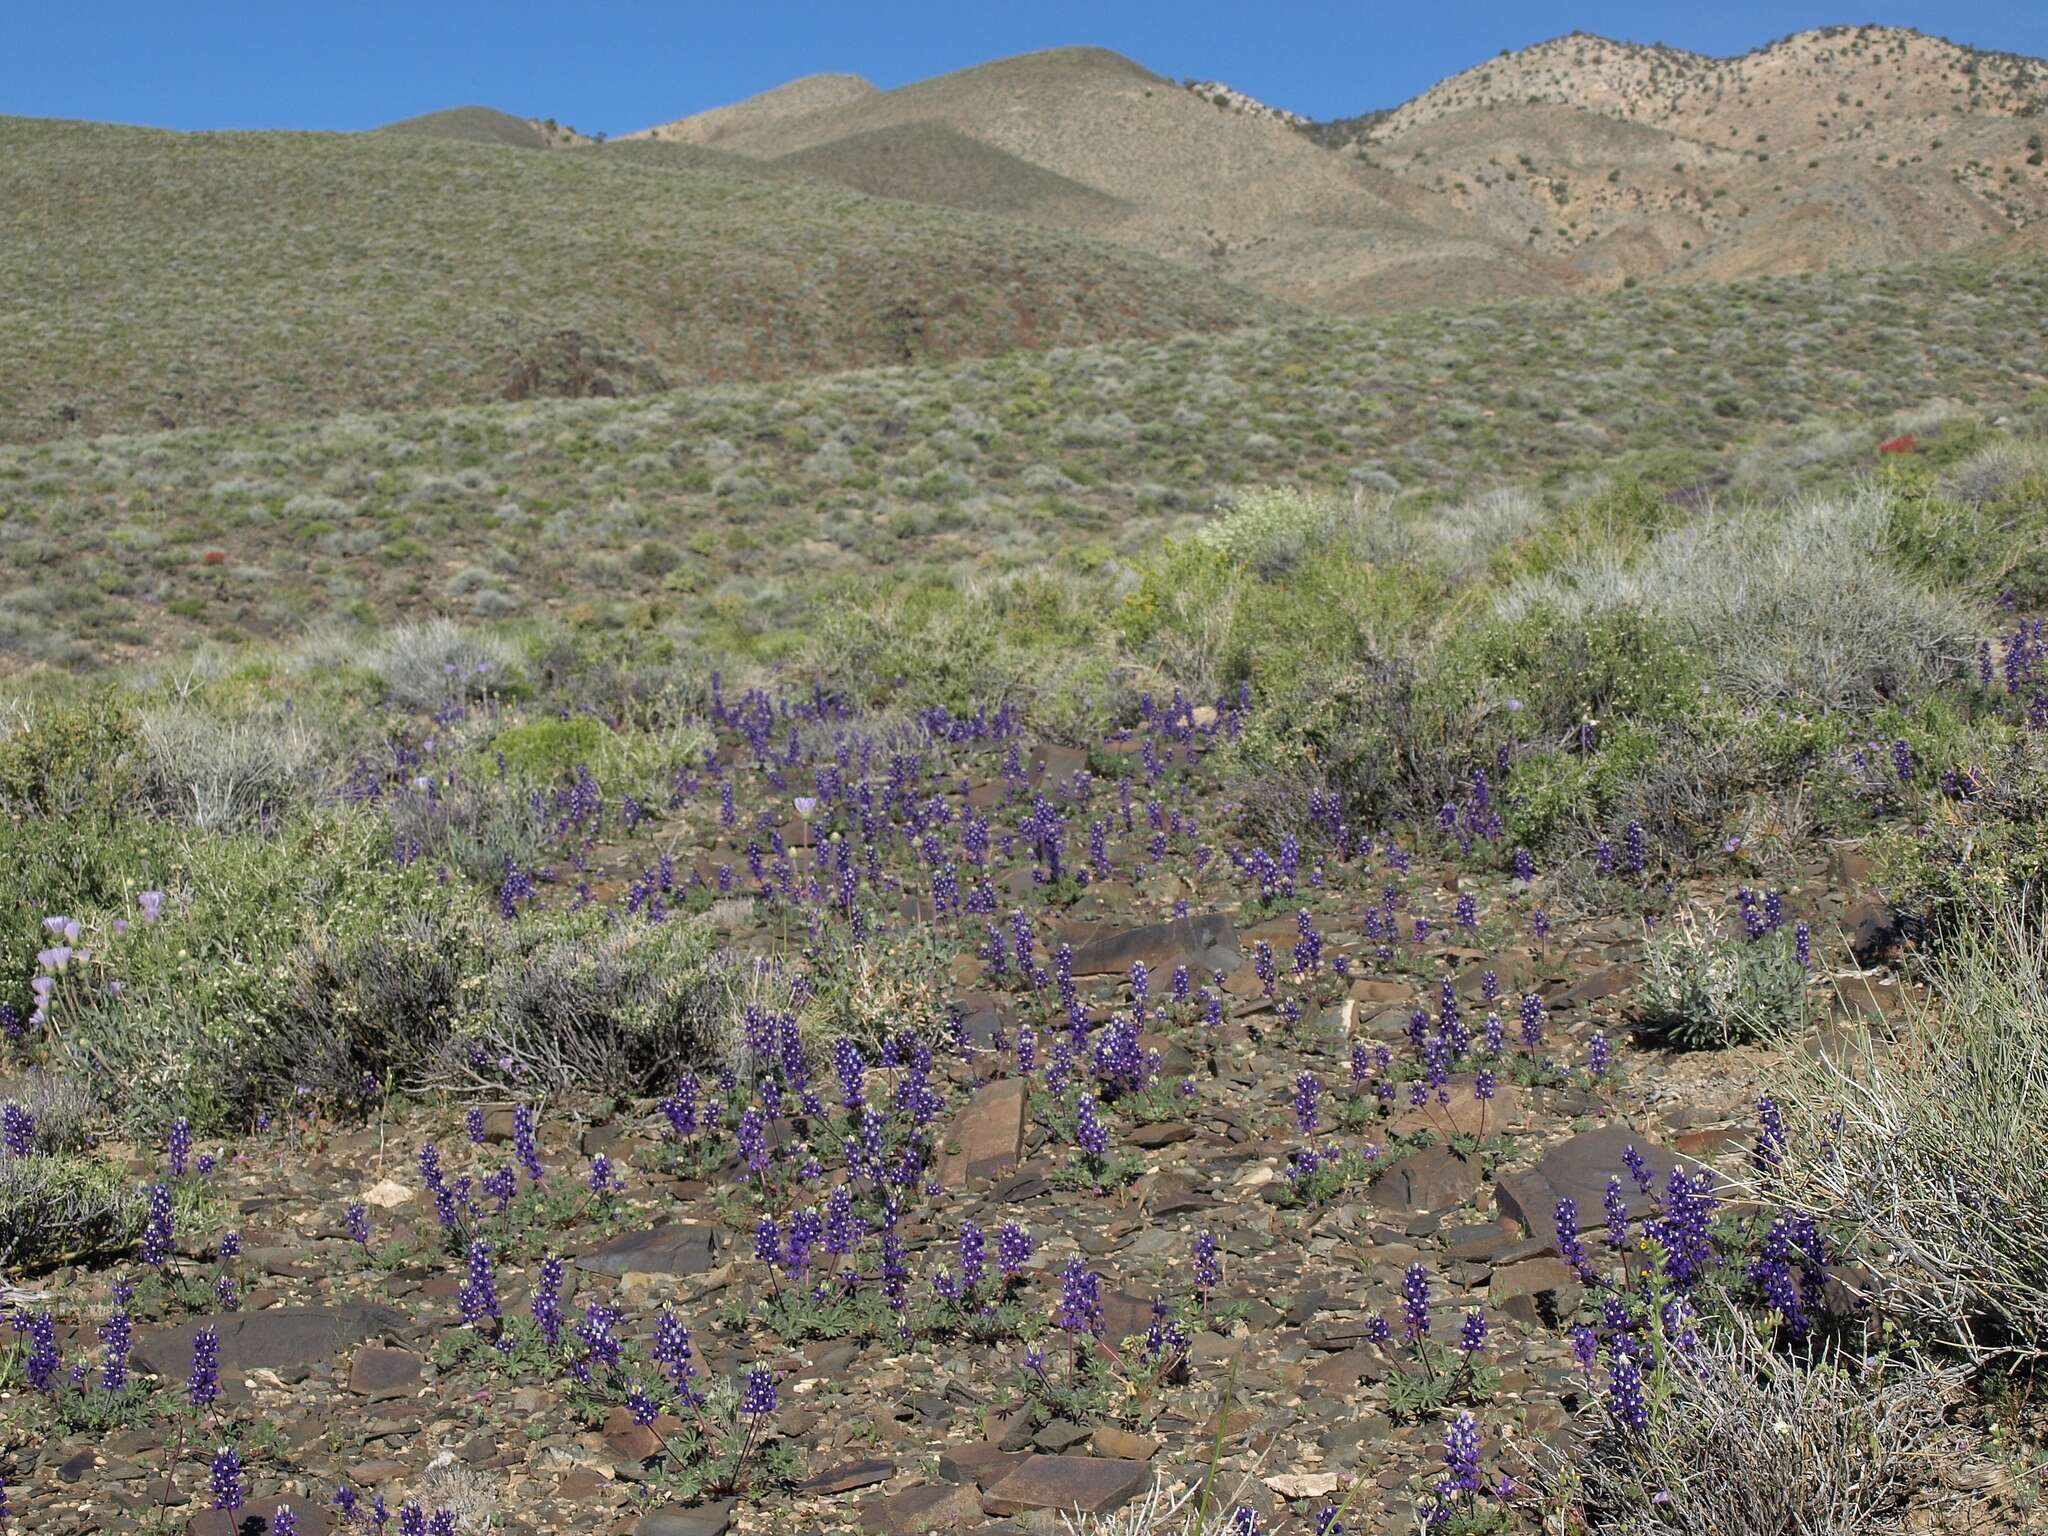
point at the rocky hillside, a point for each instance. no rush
(1578, 163)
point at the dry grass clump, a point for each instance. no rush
(1799, 608)
(1751, 1443)
(1930, 1144)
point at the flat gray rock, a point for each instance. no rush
(1089, 1485)
(1203, 944)
(678, 1249)
(275, 1341)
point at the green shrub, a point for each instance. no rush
(898, 980)
(1969, 859)
(549, 750)
(72, 758)
(1800, 607)
(200, 987)
(1701, 990)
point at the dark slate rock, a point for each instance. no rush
(277, 1341)
(1202, 944)
(927, 1507)
(678, 1249)
(854, 1474)
(1091, 1485)
(704, 1520)
(378, 1373)
(1433, 1179)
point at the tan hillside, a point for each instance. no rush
(1848, 146)
(1830, 85)
(1231, 192)
(813, 93)
(1573, 164)
(929, 162)
(487, 125)
(1228, 98)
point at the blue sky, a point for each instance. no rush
(618, 66)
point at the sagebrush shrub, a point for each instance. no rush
(1930, 1146)
(219, 773)
(1750, 1442)
(427, 665)
(56, 1206)
(1703, 990)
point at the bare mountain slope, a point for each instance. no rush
(1576, 163)
(799, 98)
(1828, 85)
(1232, 192)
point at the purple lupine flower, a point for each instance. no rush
(843, 1229)
(604, 1179)
(1566, 1218)
(973, 1255)
(478, 1297)
(639, 1405)
(753, 1142)
(1616, 1205)
(1626, 1401)
(1014, 1247)
(1770, 1134)
(1208, 1265)
(526, 1142)
(768, 1242)
(1532, 1020)
(115, 1334)
(1483, 1084)
(1597, 1057)
(1472, 1333)
(158, 1231)
(1461, 1457)
(671, 1351)
(355, 1221)
(473, 1126)
(225, 1478)
(445, 1209)
(203, 1385)
(17, 1130)
(1586, 1346)
(1090, 1133)
(600, 1345)
(1802, 945)
(44, 1359)
(759, 1398)
(1634, 858)
(284, 1521)
(1307, 1091)
(1689, 1207)
(178, 1149)
(1638, 1168)
(547, 1300)
(1079, 1309)
(1415, 1302)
